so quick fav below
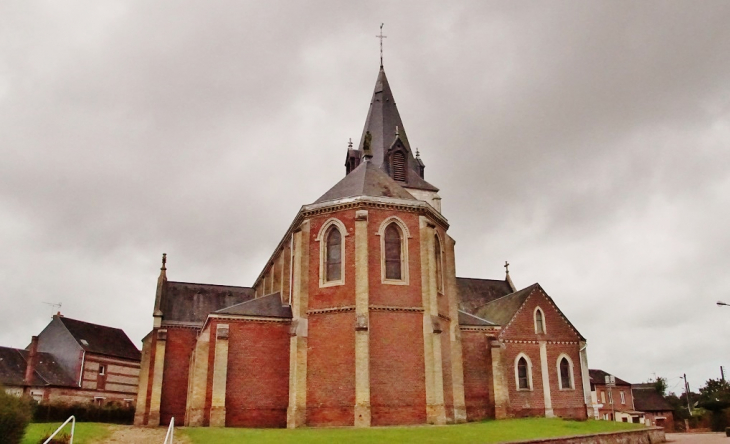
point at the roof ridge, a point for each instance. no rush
(531, 287)
(477, 317)
(208, 285)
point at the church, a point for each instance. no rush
(359, 319)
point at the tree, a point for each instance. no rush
(660, 384)
(715, 397)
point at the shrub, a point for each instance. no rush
(84, 412)
(15, 414)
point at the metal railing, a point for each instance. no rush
(73, 428)
(170, 432)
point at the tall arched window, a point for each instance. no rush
(539, 321)
(333, 255)
(439, 270)
(398, 166)
(566, 373)
(523, 375)
(393, 252)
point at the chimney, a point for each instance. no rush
(30, 365)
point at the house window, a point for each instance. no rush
(524, 374)
(603, 397)
(539, 321)
(102, 369)
(610, 397)
(439, 269)
(333, 267)
(566, 374)
(393, 252)
(623, 398)
(398, 166)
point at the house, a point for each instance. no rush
(358, 318)
(657, 411)
(74, 361)
(614, 398)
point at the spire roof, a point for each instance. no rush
(387, 133)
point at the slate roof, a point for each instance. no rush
(268, 306)
(501, 311)
(13, 363)
(471, 320)
(101, 339)
(191, 303)
(475, 293)
(382, 120)
(599, 377)
(649, 400)
(366, 180)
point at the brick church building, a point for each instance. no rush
(358, 319)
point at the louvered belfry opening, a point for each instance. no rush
(398, 166)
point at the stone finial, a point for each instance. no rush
(349, 144)
(164, 261)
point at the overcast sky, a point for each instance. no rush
(585, 142)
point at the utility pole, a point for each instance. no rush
(686, 391)
(722, 374)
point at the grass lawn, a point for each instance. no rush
(478, 432)
(86, 432)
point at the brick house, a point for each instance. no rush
(74, 361)
(614, 403)
(657, 411)
(358, 319)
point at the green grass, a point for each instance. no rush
(479, 432)
(86, 432)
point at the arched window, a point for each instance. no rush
(398, 166)
(539, 321)
(523, 374)
(333, 255)
(565, 373)
(439, 269)
(393, 252)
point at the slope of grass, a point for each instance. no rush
(86, 432)
(481, 432)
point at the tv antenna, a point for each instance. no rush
(56, 307)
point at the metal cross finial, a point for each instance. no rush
(506, 266)
(381, 37)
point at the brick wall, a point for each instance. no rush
(561, 338)
(567, 402)
(331, 369)
(180, 344)
(257, 385)
(602, 392)
(339, 295)
(387, 294)
(477, 375)
(397, 379)
(525, 402)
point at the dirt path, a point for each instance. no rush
(140, 435)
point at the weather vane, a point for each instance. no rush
(381, 37)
